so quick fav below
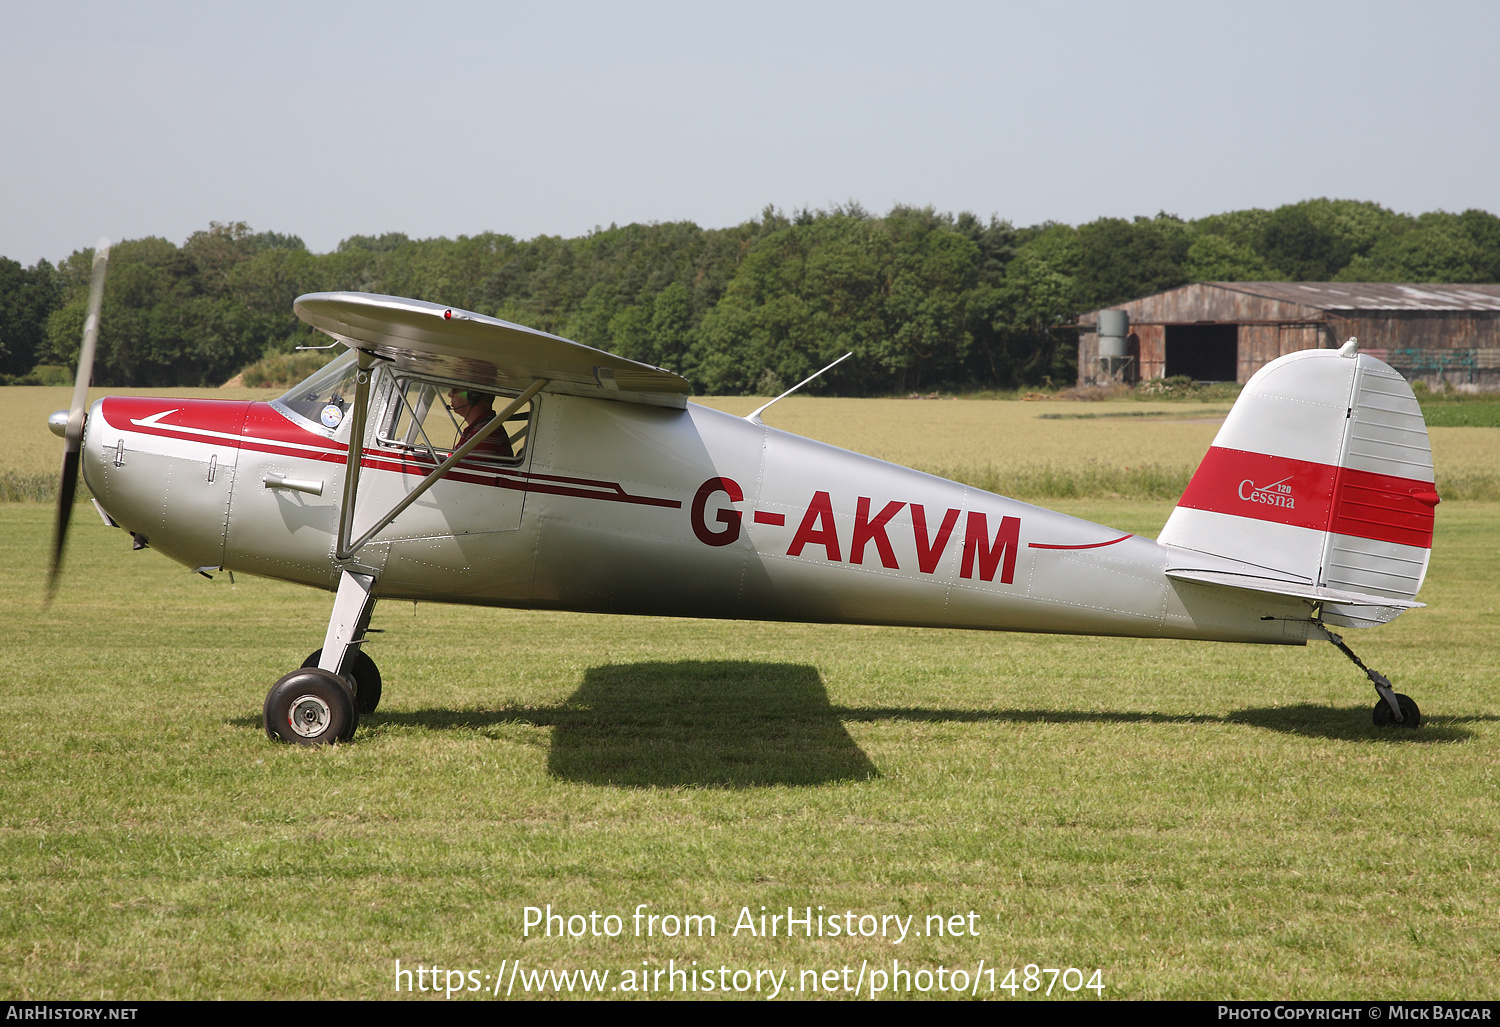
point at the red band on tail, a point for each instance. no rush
(1311, 495)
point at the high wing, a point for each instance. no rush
(461, 346)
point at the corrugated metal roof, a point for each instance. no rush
(1373, 295)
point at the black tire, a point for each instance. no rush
(311, 707)
(1384, 718)
(366, 679)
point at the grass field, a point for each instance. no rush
(1480, 414)
(1193, 820)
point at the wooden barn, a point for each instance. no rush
(1225, 331)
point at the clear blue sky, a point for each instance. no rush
(332, 119)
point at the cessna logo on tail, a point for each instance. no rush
(1277, 494)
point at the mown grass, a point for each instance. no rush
(1462, 415)
(1195, 820)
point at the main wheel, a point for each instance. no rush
(311, 707)
(366, 679)
(1384, 718)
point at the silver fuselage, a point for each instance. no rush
(626, 508)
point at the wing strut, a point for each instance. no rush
(344, 550)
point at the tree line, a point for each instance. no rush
(926, 300)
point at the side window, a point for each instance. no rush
(431, 419)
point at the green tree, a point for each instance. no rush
(630, 334)
(1122, 260)
(671, 326)
(924, 299)
(375, 243)
(1484, 229)
(1437, 249)
(164, 321)
(1301, 249)
(1244, 228)
(590, 323)
(1039, 292)
(28, 296)
(1216, 258)
(1314, 240)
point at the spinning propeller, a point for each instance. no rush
(73, 431)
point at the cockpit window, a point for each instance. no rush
(432, 419)
(327, 397)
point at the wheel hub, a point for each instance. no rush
(310, 716)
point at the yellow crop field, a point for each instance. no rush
(33, 449)
(994, 443)
(972, 433)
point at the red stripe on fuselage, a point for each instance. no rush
(225, 416)
(1090, 545)
(261, 429)
(1304, 494)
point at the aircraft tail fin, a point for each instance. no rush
(1322, 474)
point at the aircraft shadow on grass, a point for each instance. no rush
(717, 723)
(741, 724)
(724, 724)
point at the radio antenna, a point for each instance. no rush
(754, 416)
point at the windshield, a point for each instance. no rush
(325, 398)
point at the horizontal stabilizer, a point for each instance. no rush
(460, 346)
(1293, 589)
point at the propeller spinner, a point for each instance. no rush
(73, 429)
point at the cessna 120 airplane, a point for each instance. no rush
(597, 487)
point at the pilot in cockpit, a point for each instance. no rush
(477, 410)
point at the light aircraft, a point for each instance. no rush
(612, 494)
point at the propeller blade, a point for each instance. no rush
(73, 435)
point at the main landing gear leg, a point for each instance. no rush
(317, 705)
(346, 627)
(1393, 708)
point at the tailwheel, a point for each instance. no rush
(311, 707)
(365, 675)
(1385, 713)
(1410, 715)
